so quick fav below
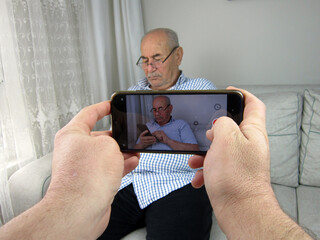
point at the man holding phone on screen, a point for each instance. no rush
(158, 193)
(167, 133)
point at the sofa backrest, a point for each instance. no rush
(310, 141)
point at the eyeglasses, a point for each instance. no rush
(160, 109)
(143, 62)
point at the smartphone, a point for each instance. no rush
(176, 121)
(142, 128)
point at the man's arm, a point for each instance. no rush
(48, 219)
(182, 146)
(258, 217)
(87, 168)
(162, 137)
(236, 174)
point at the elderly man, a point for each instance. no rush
(167, 132)
(158, 193)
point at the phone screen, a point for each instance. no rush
(170, 121)
(142, 128)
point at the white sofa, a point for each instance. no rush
(293, 124)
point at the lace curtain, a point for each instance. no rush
(51, 47)
(43, 79)
(57, 56)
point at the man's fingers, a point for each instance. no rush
(87, 118)
(129, 155)
(198, 180)
(130, 163)
(144, 133)
(209, 134)
(196, 161)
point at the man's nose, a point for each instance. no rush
(151, 67)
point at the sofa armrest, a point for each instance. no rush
(29, 184)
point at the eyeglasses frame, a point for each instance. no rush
(137, 63)
(157, 110)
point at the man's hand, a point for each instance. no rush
(236, 174)
(87, 169)
(175, 145)
(161, 136)
(145, 141)
(237, 155)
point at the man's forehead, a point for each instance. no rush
(152, 46)
(159, 100)
(153, 51)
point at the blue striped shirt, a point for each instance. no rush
(178, 130)
(159, 174)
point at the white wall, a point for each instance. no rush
(244, 41)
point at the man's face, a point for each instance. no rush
(154, 47)
(161, 110)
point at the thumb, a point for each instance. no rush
(223, 126)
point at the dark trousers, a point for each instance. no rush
(183, 214)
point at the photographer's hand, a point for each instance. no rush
(87, 169)
(236, 174)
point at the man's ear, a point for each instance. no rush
(170, 108)
(179, 55)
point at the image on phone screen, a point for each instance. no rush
(142, 128)
(173, 122)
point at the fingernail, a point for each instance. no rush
(214, 121)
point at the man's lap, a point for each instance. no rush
(183, 214)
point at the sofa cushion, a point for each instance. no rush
(45, 185)
(26, 184)
(283, 125)
(309, 208)
(216, 232)
(287, 199)
(310, 143)
(136, 235)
